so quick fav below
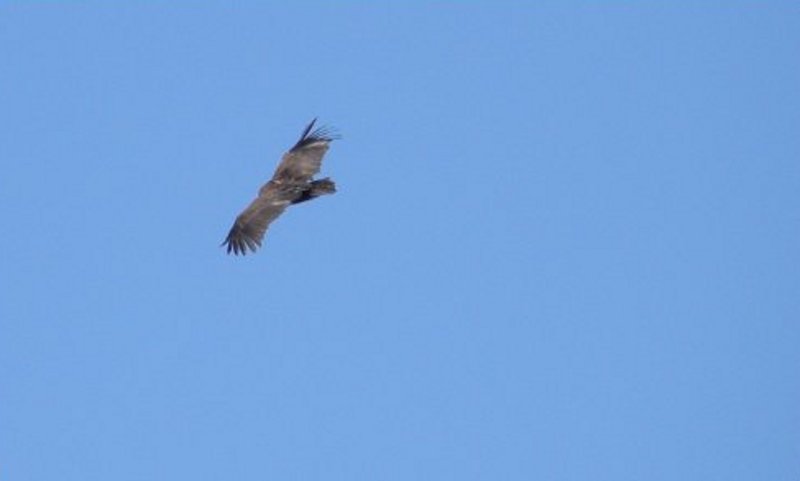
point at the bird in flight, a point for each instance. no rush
(292, 183)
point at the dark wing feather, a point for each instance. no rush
(249, 228)
(304, 159)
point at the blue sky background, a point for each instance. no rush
(564, 247)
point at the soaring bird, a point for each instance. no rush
(292, 183)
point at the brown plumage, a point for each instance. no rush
(291, 183)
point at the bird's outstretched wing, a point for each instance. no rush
(249, 228)
(304, 160)
(291, 183)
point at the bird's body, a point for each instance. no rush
(292, 183)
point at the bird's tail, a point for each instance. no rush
(317, 188)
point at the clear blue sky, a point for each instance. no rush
(565, 244)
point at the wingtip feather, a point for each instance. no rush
(311, 135)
